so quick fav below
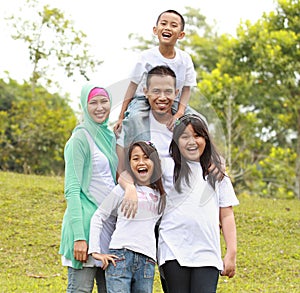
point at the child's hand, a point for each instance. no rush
(105, 258)
(229, 266)
(171, 122)
(118, 127)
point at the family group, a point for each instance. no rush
(152, 192)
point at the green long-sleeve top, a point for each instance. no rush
(80, 203)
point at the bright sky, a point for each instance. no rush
(108, 24)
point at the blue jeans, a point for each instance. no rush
(133, 273)
(82, 280)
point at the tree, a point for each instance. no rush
(254, 89)
(248, 87)
(268, 52)
(52, 41)
(36, 124)
(34, 130)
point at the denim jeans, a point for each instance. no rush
(133, 273)
(82, 280)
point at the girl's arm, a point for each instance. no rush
(105, 259)
(229, 232)
(94, 242)
(108, 207)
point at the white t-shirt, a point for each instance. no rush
(161, 137)
(181, 64)
(135, 234)
(101, 185)
(189, 230)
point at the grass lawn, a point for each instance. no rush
(31, 211)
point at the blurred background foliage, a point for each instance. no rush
(248, 89)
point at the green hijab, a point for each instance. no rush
(103, 137)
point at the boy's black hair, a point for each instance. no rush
(162, 70)
(174, 12)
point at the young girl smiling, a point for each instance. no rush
(130, 261)
(189, 249)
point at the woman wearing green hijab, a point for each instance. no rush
(90, 175)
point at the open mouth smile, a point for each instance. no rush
(166, 35)
(192, 149)
(142, 170)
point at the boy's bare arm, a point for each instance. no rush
(128, 97)
(183, 101)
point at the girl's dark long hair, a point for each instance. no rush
(155, 182)
(210, 155)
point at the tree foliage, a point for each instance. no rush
(268, 54)
(248, 89)
(53, 42)
(251, 84)
(34, 129)
(35, 124)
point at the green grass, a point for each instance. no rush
(31, 211)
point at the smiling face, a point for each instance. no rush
(99, 108)
(141, 166)
(161, 93)
(169, 28)
(191, 145)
